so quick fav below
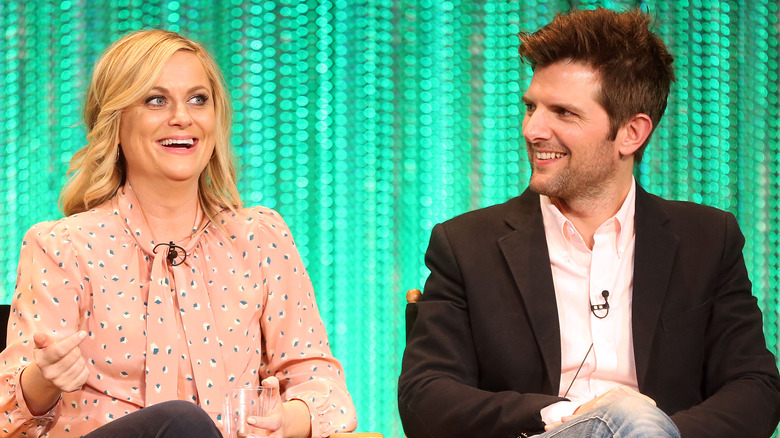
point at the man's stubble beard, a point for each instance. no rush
(588, 181)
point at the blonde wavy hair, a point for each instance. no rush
(123, 76)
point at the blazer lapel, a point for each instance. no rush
(653, 261)
(525, 250)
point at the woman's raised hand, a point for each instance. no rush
(58, 367)
(60, 362)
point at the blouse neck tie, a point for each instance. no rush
(175, 289)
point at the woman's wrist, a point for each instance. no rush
(297, 420)
(39, 394)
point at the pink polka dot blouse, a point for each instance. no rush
(240, 307)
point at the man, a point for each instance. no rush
(586, 306)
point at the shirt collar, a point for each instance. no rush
(560, 230)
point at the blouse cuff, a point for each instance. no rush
(325, 413)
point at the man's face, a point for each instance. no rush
(567, 134)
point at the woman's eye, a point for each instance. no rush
(156, 101)
(199, 99)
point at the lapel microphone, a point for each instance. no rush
(173, 253)
(597, 307)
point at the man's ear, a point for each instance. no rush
(632, 135)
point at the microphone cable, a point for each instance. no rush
(578, 370)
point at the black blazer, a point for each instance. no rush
(484, 355)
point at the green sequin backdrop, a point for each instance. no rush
(365, 122)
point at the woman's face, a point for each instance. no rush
(169, 135)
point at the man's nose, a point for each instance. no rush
(536, 127)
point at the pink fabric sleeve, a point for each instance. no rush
(46, 299)
(297, 347)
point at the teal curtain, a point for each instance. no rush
(365, 122)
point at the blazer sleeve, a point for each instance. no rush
(439, 391)
(741, 387)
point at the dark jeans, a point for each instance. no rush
(171, 419)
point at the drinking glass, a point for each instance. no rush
(245, 402)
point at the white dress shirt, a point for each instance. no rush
(580, 275)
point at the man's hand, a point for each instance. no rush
(61, 363)
(608, 397)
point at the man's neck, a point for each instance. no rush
(587, 215)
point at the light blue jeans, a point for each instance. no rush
(627, 417)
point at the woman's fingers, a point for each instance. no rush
(61, 362)
(74, 377)
(272, 423)
(50, 351)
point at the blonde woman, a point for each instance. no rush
(157, 292)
